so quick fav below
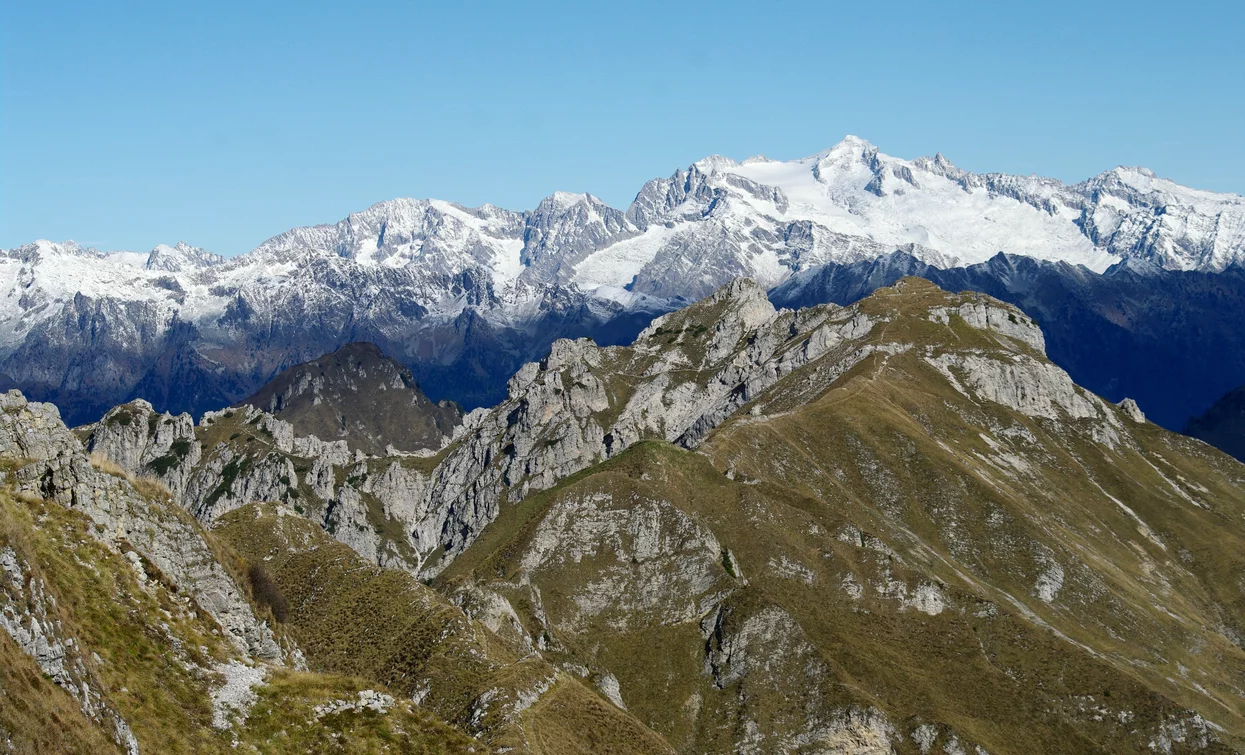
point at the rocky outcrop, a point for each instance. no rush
(1017, 381)
(52, 464)
(145, 442)
(662, 566)
(1131, 410)
(763, 653)
(237, 456)
(982, 314)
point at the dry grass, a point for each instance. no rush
(108, 466)
(382, 624)
(36, 715)
(147, 485)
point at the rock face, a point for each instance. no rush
(358, 395)
(145, 442)
(464, 296)
(236, 456)
(1031, 387)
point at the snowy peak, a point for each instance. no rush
(44, 249)
(1156, 220)
(959, 217)
(179, 257)
(564, 229)
(162, 257)
(714, 163)
(563, 200)
(443, 238)
(845, 157)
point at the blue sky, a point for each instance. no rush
(128, 124)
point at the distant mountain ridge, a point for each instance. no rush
(463, 296)
(1223, 424)
(359, 395)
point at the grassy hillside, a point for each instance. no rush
(381, 624)
(136, 650)
(38, 716)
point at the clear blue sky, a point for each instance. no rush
(130, 124)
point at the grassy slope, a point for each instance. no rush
(883, 478)
(150, 652)
(38, 716)
(382, 624)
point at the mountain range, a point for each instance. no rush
(894, 526)
(464, 296)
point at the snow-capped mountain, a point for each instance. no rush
(464, 295)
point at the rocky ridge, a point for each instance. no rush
(170, 640)
(580, 405)
(52, 465)
(684, 375)
(1170, 340)
(880, 559)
